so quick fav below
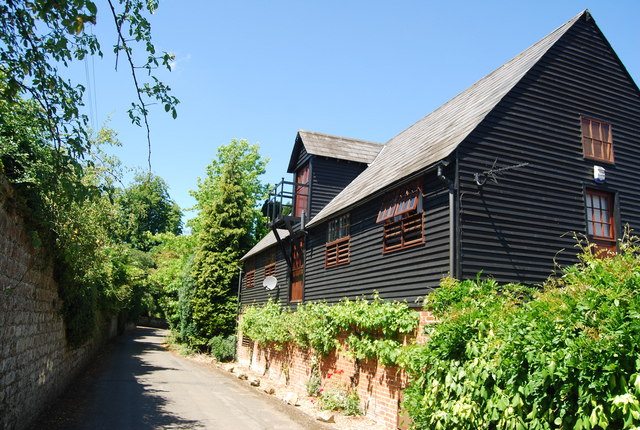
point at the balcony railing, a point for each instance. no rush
(280, 205)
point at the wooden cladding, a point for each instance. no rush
(270, 270)
(404, 233)
(249, 279)
(597, 140)
(337, 252)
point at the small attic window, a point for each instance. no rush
(597, 140)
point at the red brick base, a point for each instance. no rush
(379, 387)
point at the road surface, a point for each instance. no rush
(137, 384)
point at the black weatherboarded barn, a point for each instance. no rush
(498, 180)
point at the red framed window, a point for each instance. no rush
(403, 218)
(270, 266)
(337, 252)
(399, 202)
(249, 279)
(597, 140)
(270, 270)
(337, 248)
(600, 219)
(404, 233)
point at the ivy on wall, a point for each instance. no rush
(373, 328)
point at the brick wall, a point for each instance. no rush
(35, 363)
(379, 387)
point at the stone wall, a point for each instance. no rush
(35, 362)
(379, 387)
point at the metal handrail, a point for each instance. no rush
(282, 196)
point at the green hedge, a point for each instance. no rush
(512, 357)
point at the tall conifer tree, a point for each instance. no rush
(226, 229)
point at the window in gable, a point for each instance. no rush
(600, 220)
(337, 248)
(597, 140)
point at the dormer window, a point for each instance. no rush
(403, 218)
(597, 140)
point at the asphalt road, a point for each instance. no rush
(137, 384)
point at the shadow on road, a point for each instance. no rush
(112, 393)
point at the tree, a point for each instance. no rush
(226, 228)
(172, 275)
(251, 166)
(38, 36)
(147, 209)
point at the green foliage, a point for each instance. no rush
(565, 356)
(223, 348)
(335, 396)
(48, 155)
(314, 384)
(147, 209)
(373, 328)
(226, 228)
(38, 37)
(70, 210)
(267, 324)
(173, 257)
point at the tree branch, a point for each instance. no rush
(122, 45)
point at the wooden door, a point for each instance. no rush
(302, 191)
(297, 270)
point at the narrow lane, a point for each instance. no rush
(137, 384)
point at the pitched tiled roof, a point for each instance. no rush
(438, 134)
(342, 148)
(266, 242)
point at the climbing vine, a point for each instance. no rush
(370, 328)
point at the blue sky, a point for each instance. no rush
(261, 70)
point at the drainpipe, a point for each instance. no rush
(239, 298)
(452, 240)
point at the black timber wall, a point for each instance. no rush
(301, 159)
(515, 229)
(406, 274)
(329, 176)
(257, 294)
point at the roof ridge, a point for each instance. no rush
(339, 137)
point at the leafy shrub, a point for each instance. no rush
(508, 356)
(223, 348)
(314, 384)
(335, 396)
(267, 324)
(373, 327)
